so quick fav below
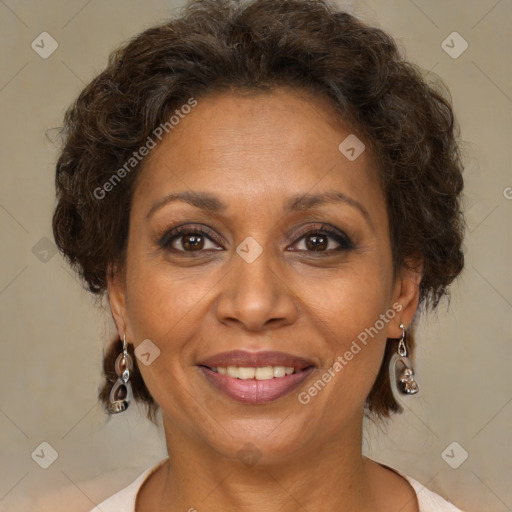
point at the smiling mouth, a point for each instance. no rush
(255, 377)
(255, 385)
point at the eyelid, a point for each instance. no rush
(342, 238)
(170, 234)
(184, 229)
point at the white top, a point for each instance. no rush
(124, 500)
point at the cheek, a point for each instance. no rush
(166, 306)
(352, 298)
(353, 312)
(164, 310)
(160, 298)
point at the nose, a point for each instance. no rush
(255, 296)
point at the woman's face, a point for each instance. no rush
(283, 245)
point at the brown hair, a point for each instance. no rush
(220, 45)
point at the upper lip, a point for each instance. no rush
(256, 359)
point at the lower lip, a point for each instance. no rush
(252, 391)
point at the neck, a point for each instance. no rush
(333, 476)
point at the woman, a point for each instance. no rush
(268, 193)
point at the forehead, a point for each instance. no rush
(282, 142)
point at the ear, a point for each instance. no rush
(117, 300)
(406, 293)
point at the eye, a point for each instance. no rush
(188, 239)
(324, 240)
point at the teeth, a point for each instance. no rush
(264, 373)
(260, 373)
(232, 371)
(279, 371)
(248, 373)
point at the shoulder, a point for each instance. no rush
(386, 484)
(429, 501)
(125, 499)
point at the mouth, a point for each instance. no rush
(256, 378)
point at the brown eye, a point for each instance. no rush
(192, 242)
(324, 239)
(320, 242)
(188, 240)
(317, 242)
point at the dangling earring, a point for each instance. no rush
(121, 393)
(401, 371)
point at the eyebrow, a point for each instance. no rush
(202, 200)
(211, 203)
(306, 201)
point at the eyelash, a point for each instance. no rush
(342, 239)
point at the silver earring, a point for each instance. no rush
(121, 392)
(401, 371)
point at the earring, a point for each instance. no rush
(121, 392)
(401, 371)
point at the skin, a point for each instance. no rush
(253, 152)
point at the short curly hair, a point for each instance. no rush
(226, 45)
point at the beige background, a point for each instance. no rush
(52, 334)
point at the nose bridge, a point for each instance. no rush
(255, 277)
(253, 293)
